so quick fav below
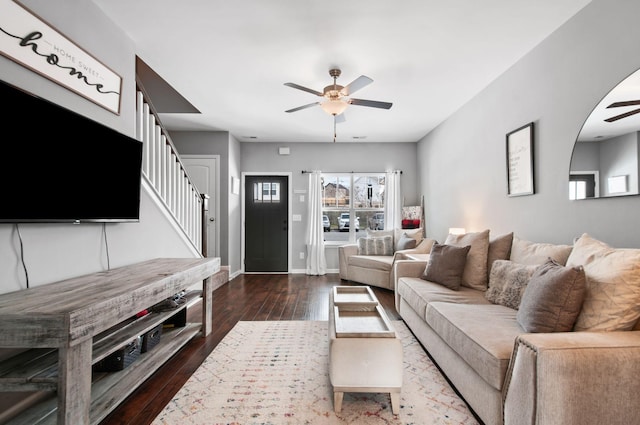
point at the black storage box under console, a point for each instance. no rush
(121, 358)
(151, 338)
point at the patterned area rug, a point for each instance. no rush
(276, 372)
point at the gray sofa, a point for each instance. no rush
(587, 374)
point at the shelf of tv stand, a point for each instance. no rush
(85, 315)
(109, 389)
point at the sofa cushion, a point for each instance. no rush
(527, 252)
(375, 262)
(475, 271)
(499, 249)
(483, 335)
(552, 299)
(507, 282)
(612, 299)
(375, 246)
(418, 293)
(446, 265)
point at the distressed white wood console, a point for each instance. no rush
(67, 326)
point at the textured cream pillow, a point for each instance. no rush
(475, 273)
(526, 252)
(612, 300)
(375, 246)
(507, 282)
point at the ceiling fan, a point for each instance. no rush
(626, 114)
(338, 97)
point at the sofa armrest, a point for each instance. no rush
(424, 247)
(573, 378)
(344, 252)
(405, 268)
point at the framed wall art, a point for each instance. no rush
(520, 161)
(28, 40)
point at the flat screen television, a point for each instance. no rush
(60, 167)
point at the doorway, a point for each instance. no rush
(203, 171)
(266, 224)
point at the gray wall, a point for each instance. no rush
(228, 148)
(556, 86)
(329, 157)
(54, 252)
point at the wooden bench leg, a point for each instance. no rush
(395, 403)
(337, 401)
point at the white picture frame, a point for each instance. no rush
(31, 42)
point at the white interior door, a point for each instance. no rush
(203, 170)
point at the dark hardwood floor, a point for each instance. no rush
(247, 297)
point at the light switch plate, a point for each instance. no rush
(296, 217)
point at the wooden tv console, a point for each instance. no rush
(67, 326)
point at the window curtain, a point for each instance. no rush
(316, 261)
(393, 201)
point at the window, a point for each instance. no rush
(266, 192)
(352, 202)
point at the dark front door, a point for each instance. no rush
(266, 224)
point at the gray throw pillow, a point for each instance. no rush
(446, 265)
(405, 242)
(553, 298)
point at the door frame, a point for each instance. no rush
(288, 175)
(216, 197)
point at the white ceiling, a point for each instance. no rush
(230, 59)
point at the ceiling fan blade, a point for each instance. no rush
(626, 114)
(627, 103)
(299, 87)
(303, 107)
(356, 85)
(371, 103)
(340, 118)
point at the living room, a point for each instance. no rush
(459, 168)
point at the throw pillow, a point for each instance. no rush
(446, 265)
(552, 299)
(507, 282)
(526, 252)
(375, 246)
(475, 275)
(499, 249)
(412, 233)
(612, 300)
(405, 242)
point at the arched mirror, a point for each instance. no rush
(605, 157)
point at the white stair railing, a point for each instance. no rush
(165, 173)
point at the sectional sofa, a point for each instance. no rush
(530, 333)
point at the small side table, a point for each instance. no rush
(365, 354)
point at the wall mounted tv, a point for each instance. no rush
(60, 167)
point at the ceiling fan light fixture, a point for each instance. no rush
(334, 107)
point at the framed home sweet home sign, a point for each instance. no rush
(31, 42)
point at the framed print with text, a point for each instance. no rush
(520, 161)
(34, 44)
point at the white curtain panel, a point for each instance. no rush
(393, 201)
(316, 260)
